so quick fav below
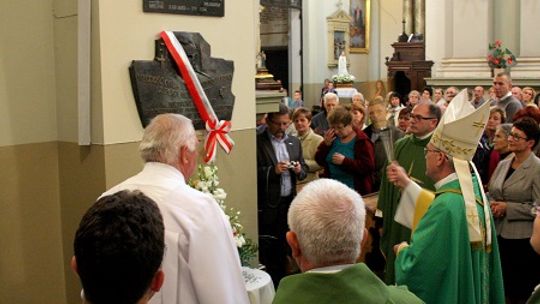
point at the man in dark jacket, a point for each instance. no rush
(280, 164)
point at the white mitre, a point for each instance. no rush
(457, 135)
(461, 128)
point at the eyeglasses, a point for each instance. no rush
(426, 150)
(516, 136)
(418, 117)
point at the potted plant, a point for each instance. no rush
(500, 58)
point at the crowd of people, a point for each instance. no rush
(457, 176)
(360, 140)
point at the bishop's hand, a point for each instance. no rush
(397, 175)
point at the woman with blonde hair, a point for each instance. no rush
(527, 95)
(309, 140)
(358, 98)
(380, 90)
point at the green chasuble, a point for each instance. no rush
(354, 284)
(409, 153)
(440, 265)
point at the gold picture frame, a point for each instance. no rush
(338, 25)
(360, 26)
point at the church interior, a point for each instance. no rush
(71, 126)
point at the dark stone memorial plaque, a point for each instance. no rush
(214, 8)
(158, 87)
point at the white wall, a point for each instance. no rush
(316, 44)
(385, 21)
(530, 36)
(390, 14)
(316, 40)
(126, 33)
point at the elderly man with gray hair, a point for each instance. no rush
(326, 221)
(319, 123)
(201, 262)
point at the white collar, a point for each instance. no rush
(425, 136)
(330, 269)
(165, 170)
(449, 178)
(507, 95)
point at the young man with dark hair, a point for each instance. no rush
(118, 249)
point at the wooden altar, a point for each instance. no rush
(408, 68)
(371, 253)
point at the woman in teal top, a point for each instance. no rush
(346, 154)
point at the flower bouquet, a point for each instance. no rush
(208, 181)
(500, 57)
(344, 78)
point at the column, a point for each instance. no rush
(528, 66)
(419, 16)
(459, 42)
(295, 48)
(438, 27)
(529, 44)
(471, 28)
(506, 19)
(408, 16)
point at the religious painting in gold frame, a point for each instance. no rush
(360, 26)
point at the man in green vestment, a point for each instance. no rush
(326, 221)
(409, 153)
(453, 256)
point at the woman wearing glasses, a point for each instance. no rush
(513, 188)
(346, 154)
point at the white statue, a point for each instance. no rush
(342, 64)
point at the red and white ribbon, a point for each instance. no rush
(217, 129)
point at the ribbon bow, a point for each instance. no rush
(217, 133)
(217, 129)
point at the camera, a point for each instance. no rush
(292, 164)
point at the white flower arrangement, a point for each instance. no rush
(208, 182)
(343, 78)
